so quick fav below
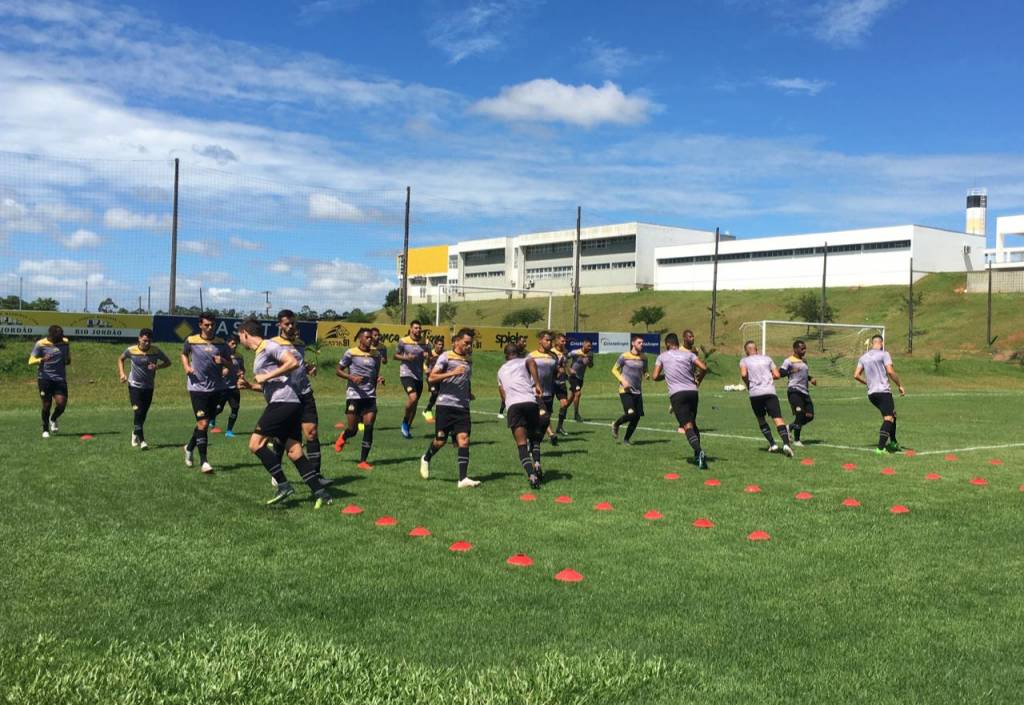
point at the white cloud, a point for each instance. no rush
(279, 268)
(198, 247)
(324, 206)
(242, 244)
(63, 267)
(219, 154)
(124, 219)
(797, 86)
(478, 28)
(610, 61)
(81, 238)
(547, 100)
(846, 22)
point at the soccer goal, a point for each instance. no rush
(776, 337)
(463, 293)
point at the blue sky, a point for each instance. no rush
(759, 117)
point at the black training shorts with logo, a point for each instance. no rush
(281, 420)
(684, 406)
(800, 402)
(525, 415)
(632, 404)
(884, 402)
(766, 404)
(452, 420)
(205, 404)
(412, 385)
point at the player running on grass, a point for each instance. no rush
(145, 359)
(428, 364)
(206, 359)
(453, 373)
(874, 370)
(759, 374)
(561, 380)
(797, 390)
(360, 366)
(630, 370)
(520, 388)
(580, 360)
(521, 343)
(281, 420)
(375, 344)
(229, 393)
(53, 355)
(683, 371)
(411, 351)
(546, 360)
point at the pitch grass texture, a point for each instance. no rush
(129, 578)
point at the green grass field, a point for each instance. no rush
(132, 579)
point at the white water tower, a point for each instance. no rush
(977, 211)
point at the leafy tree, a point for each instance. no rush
(107, 305)
(648, 315)
(307, 314)
(427, 313)
(329, 315)
(357, 315)
(807, 307)
(42, 304)
(523, 317)
(393, 298)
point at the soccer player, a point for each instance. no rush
(230, 395)
(411, 352)
(630, 370)
(428, 365)
(453, 374)
(580, 360)
(146, 359)
(546, 360)
(759, 374)
(683, 370)
(53, 355)
(797, 389)
(520, 342)
(206, 359)
(561, 378)
(382, 350)
(288, 336)
(874, 370)
(520, 388)
(282, 419)
(360, 366)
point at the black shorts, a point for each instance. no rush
(229, 397)
(281, 420)
(525, 415)
(309, 412)
(684, 406)
(766, 404)
(361, 406)
(884, 402)
(452, 420)
(560, 391)
(140, 398)
(798, 401)
(632, 404)
(206, 404)
(575, 383)
(411, 384)
(545, 408)
(50, 388)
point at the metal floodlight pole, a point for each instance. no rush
(910, 310)
(576, 277)
(714, 289)
(405, 258)
(171, 295)
(988, 327)
(437, 314)
(824, 299)
(86, 308)
(201, 307)
(149, 299)
(21, 292)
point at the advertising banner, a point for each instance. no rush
(489, 339)
(615, 343)
(342, 334)
(652, 342)
(174, 329)
(75, 325)
(575, 341)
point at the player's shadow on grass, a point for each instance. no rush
(78, 434)
(551, 453)
(395, 461)
(555, 475)
(648, 442)
(498, 475)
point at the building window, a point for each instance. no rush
(797, 252)
(484, 275)
(453, 261)
(623, 265)
(484, 257)
(594, 267)
(561, 272)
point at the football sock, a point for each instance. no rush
(885, 434)
(783, 433)
(524, 458)
(463, 462)
(364, 452)
(693, 438)
(313, 453)
(202, 438)
(766, 431)
(308, 473)
(633, 423)
(272, 463)
(192, 441)
(432, 449)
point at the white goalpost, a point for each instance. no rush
(776, 337)
(447, 293)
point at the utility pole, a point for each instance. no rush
(576, 277)
(714, 290)
(988, 328)
(405, 258)
(171, 295)
(824, 299)
(86, 308)
(910, 310)
(267, 294)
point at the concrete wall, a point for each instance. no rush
(1004, 281)
(938, 250)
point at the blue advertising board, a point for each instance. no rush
(614, 342)
(174, 329)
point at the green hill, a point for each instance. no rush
(946, 319)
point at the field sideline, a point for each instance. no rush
(133, 579)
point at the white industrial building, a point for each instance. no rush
(866, 257)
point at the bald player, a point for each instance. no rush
(874, 370)
(683, 370)
(759, 374)
(53, 355)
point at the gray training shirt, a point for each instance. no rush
(680, 370)
(411, 368)
(140, 375)
(759, 375)
(515, 379)
(799, 374)
(300, 378)
(454, 391)
(270, 356)
(547, 370)
(54, 369)
(365, 365)
(207, 375)
(632, 368)
(874, 363)
(578, 361)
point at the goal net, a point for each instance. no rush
(487, 305)
(776, 338)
